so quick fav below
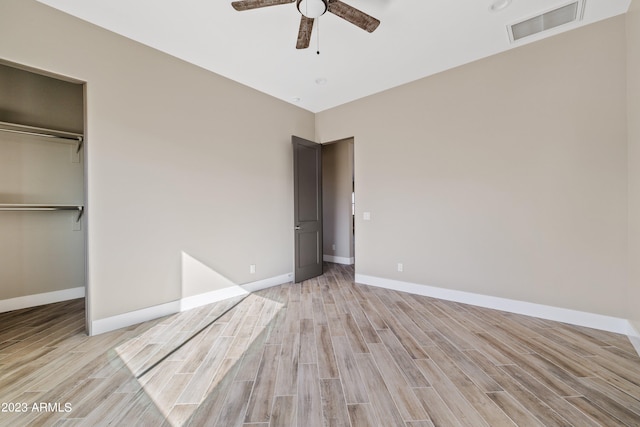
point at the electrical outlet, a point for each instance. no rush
(400, 267)
(366, 216)
(333, 246)
(252, 269)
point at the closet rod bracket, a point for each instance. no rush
(80, 213)
(79, 144)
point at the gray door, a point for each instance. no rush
(307, 201)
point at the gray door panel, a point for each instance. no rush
(307, 186)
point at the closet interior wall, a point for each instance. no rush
(42, 253)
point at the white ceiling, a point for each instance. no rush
(416, 38)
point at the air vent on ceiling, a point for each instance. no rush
(554, 18)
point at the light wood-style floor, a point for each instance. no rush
(322, 353)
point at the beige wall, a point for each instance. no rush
(178, 160)
(337, 177)
(633, 120)
(504, 177)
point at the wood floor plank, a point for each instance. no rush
(405, 338)
(419, 424)
(309, 398)
(179, 414)
(334, 406)
(209, 336)
(439, 414)
(549, 374)
(361, 415)
(259, 408)
(466, 414)
(327, 366)
(106, 410)
(243, 339)
(546, 406)
(358, 344)
(333, 320)
(319, 314)
(251, 358)
(196, 390)
(366, 328)
(308, 352)
(134, 411)
(372, 314)
(284, 411)
(594, 412)
(387, 413)
(473, 371)
(408, 405)
(514, 410)
(287, 381)
(233, 410)
(166, 397)
(631, 402)
(413, 375)
(352, 382)
(484, 406)
(208, 411)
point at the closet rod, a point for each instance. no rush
(36, 131)
(32, 207)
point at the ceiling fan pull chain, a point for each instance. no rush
(318, 35)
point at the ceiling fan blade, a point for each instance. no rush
(353, 15)
(304, 34)
(255, 4)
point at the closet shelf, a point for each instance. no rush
(70, 137)
(36, 207)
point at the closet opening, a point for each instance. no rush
(42, 194)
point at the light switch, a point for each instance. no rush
(366, 216)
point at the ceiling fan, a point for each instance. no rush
(312, 9)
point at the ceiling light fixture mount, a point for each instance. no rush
(499, 5)
(312, 8)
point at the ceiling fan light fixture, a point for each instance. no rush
(312, 8)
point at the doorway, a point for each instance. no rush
(42, 189)
(338, 195)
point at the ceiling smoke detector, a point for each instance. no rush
(498, 5)
(562, 15)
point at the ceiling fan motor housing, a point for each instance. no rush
(312, 8)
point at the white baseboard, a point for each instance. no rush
(40, 299)
(214, 296)
(339, 259)
(123, 320)
(210, 297)
(150, 313)
(267, 283)
(574, 317)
